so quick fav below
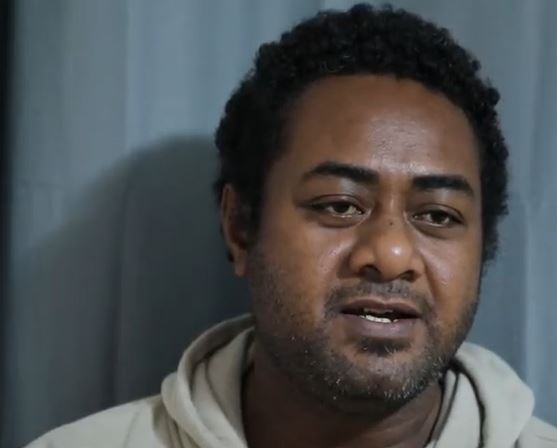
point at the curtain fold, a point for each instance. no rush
(115, 258)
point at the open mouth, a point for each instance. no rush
(383, 317)
(380, 311)
(375, 318)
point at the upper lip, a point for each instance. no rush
(397, 306)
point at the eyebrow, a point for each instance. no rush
(362, 175)
(452, 182)
(356, 173)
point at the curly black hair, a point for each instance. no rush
(364, 39)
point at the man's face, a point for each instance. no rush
(365, 271)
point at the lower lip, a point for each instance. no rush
(358, 326)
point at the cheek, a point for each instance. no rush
(307, 257)
(453, 273)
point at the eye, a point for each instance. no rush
(437, 218)
(341, 209)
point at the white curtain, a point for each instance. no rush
(115, 258)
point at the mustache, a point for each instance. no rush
(397, 289)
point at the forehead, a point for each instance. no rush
(387, 124)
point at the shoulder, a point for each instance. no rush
(538, 434)
(119, 427)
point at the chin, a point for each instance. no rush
(364, 380)
(381, 391)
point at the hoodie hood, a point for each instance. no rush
(485, 403)
(203, 396)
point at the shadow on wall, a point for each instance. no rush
(101, 311)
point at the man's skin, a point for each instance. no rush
(404, 208)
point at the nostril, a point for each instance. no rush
(371, 273)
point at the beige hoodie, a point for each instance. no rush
(485, 404)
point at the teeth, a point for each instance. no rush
(383, 320)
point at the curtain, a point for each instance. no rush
(115, 261)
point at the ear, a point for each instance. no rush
(233, 225)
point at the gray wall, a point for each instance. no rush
(116, 260)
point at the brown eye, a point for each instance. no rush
(437, 218)
(342, 209)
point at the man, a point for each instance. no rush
(363, 174)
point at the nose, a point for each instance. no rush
(385, 250)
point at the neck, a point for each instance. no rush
(277, 414)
